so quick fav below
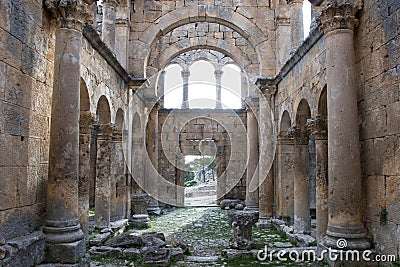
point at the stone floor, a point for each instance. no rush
(207, 233)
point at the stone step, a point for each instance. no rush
(201, 193)
(201, 259)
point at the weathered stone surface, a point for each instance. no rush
(242, 223)
(105, 251)
(99, 239)
(125, 240)
(231, 203)
(131, 253)
(152, 240)
(236, 254)
(177, 243)
(157, 257)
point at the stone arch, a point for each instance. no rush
(84, 96)
(119, 119)
(285, 123)
(322, 103)
(251, 69)
(103, 111)
(202, 13)
(303, 112)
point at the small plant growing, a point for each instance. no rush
(383, 214)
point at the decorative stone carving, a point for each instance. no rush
(340, 15)
(318, 127)
(71, 14)
(299, 135)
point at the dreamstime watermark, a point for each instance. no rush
(331, 254)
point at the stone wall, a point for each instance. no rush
(377, 51)
(180, 133)
(190, 24)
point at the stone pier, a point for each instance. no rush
(64, 237)
(85, 127)
(296, 23)
(252, 155)
(302, 221)
(218, 79)
(103, 177)
(319, 130)
(185, 81)
(344, 202)
(108, 23)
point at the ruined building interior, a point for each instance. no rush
(102, 102)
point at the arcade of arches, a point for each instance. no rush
(304, 127)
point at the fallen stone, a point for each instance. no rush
(278, 222)
(178, 243)
(242, 223)
(105, 251)
(158, 235)
(231, 203)
(282, 244)
(239, 206)
(176, 254)
(287, 229)
(236, 254)
(156, 257)
(105, 230)
(131, 253)
(201, 258)
(99, 239)
(125, 240)
(151, 240)
(118, 225)
(301, 239)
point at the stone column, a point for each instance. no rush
(64, 237)
(85, 127)
(122, 40)
(345, 208)
(318, 128)
(103, 181)
(252, 155)
(296, 23)
(118, 203)
(108, 24)
(218, 79)
(161, 88)
(285, 175)
(185, 81)
(152, 165)
(282, 23)
(302, 222)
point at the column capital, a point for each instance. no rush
(218, 73)
(86, 120)
(121, 22)
(72, 14)
(106, 131)
(299, 135)
(185, 73)
(113, 3)
(290, 2)
(318, 127)
(340, 15)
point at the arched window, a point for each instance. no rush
(231, 87)
(173, 86)
(202, 85)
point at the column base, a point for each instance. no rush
(140, 220)
(264, 223)
(153, 208)
(65, 242)
(349, 238)
(251, 208)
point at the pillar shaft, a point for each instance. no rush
(185, 80)
(108, 24)
(85, 127)
(218, 81)
(103, 181)
(252, 164)
(64, 237)
(319, 130)
(345, 209)
(122, 40)
(302, 222)
(118, 201)
(285, 175)
(296, 23)
(152, 162)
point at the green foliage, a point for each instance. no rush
(202, 165)
(191, 183)
(383, 214)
